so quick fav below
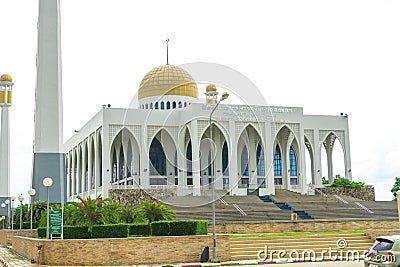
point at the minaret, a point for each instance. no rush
(6, 85)
(48, 158)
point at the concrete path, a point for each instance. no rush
(15, 261)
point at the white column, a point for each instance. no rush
(90, 164)
(144, 160)
(5, 153)
(317, 159)
(233, 167)
(73, 174)
(301, 163)
(269, 151)
(347, 156)
(195, 158)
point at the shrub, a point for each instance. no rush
(110, 231)
(99, 231)
(140, 229)
(179, 228)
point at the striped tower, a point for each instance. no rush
(48, 159)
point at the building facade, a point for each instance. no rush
(170, 142)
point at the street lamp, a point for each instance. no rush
(20, 199)
(223, 97)
(31, 193)
(47, 182)
(7, 202)
(12, 212)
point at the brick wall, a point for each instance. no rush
(305, 226)
(7, 235)
(366, 194)
(137, 196)
(120, 251)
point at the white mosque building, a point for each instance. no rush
(166, 142)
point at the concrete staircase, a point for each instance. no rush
(248, 248)
(332, 208)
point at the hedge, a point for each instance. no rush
(142, 229)
(160, 228)
(99, 231)
(26, 225)
(179, 228)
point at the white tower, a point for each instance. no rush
(6, 85)
(48, 157)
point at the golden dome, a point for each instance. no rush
(211, 88)
(6, 78)
(168, 80)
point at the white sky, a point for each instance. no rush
(326, 56)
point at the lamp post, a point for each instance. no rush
(12, 212)
(2, 217)
(31, 193)
(47, 182)
(20, 199)
(223, 97)
(7, 202)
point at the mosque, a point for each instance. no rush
(174, 140)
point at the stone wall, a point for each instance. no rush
(306, 226)
(137, 196)
(366, 194)
(7, 235)
(373, 233)
(120, 251)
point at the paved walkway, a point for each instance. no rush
(15, 261)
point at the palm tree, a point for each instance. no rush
(111, 212)
(152, 211)
(130, 214)
(89, 212)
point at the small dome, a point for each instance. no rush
(211, 88)
(6, 78)
(168, 80)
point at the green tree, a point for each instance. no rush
(395, 188)
(344, 182)
(152, 211)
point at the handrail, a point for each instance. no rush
(363, 207)
(341, 199)
(239, 209)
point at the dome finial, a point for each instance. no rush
(167, 40)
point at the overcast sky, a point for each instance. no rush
(326, 56)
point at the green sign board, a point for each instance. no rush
(56, 222)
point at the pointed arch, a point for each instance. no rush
(157, 158)
(260, 160)
(277, 166)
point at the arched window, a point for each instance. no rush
(176, 163)
(121, 163)
(244, 162)
(277, 162)
(114, 166)
(185, 104)
(260, 161)
(156, 105)
(225, 160)
(179, 104)
(293, 163)
(147, 106)
(189, 159)
(157, 158)
(151, 105)
(162, 105)
(174, 104)
(168, 105)
(129, 165)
